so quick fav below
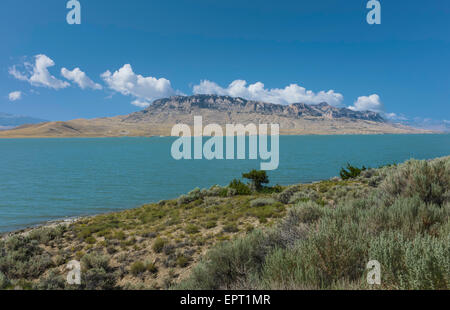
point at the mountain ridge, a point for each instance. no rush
(159, 118)
(227, 103)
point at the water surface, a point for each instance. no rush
(47, 179)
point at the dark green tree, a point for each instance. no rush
(351, 172)
(257, 177)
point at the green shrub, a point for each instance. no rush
(51, 282)
(282, 270)
(265, 212)
(38, 265)
(137, 268)
(151, 267)
(428, 180)
(97, 274)
(59, 260)
(95, 261)
(119, 235)
(192, 229)
(90, 240)
(210, 224)
(98, 279)
(4, 282)
(240, 188)
(195, 194)
(182, 261)
(411, 216)
(274, 189)
(285, 196)
(304, 195)
(229, 262)
(21, 257)
(337, 251)
(22, 284)
(184, 199)
(307, 212)
(420, 263)
(230, 228)
(158, 245)
(259, 202)
(45, 235)
(216, 191)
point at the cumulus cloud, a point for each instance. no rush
(290, 94)
(37, 74)
(368, 103)
(15, 95)
(144, 89)
(141, 104)
(80, 78)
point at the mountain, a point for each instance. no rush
(226, 104)
(8, 121)
(161, 115)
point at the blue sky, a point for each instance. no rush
(401, 66)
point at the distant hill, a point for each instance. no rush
(162, 114)
(8, 121)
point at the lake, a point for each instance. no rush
(48, 179)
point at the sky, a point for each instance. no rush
(125, 54)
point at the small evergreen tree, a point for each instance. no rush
(257, 177)
(351, 172)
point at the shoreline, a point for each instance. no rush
(72, 220)
(281, 134)
(46, 224)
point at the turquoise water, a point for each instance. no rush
(48, 179)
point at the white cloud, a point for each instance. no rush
(15, 95)
(37, 74)
(394, 116)
(290, 94)
(141, 104)
(368, 103)
(391, 116)
(144, 89)
(80, 78)
(17, 74)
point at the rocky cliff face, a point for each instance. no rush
(199, 103)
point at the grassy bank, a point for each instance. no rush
(305, 236)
